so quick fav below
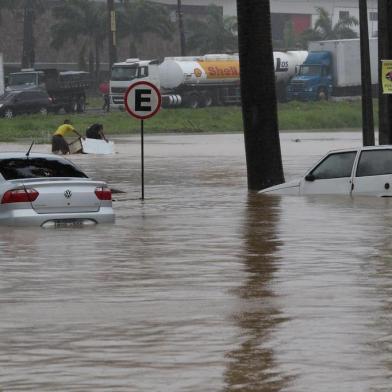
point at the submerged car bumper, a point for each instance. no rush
(28, 217)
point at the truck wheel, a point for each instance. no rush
(208, 101)
(71, 108)
(81, 105)
(322, 94)
(193, 101)
(43, 111)
(8, 113)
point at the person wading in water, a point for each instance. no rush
(59, 144)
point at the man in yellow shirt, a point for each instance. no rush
(59, 144)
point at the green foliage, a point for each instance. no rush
(82, 21)
(292, 116)
(136, 18)
(289, 36)
(325, 30)
(214, 33)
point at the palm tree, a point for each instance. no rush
(324, 29)
(84, 19)
(30, 8)
(214, 33)
(7, 4)
(259, 108)
(136, 18)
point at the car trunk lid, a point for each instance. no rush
(63, 196)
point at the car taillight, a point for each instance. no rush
(19, 196)
(103, 193)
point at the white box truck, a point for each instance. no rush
(333, 68)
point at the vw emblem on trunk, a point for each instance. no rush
(67, 194)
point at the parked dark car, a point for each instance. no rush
(25, 102)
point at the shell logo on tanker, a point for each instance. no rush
(221, 69)
(198, 72)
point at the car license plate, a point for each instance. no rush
(60, 223)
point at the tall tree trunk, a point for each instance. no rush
(91, 62)
(97, 60)
(28, 53)
(384, 53)
(259, 107)
(132, 48)
(367, 99)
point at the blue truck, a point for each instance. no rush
(332, 69)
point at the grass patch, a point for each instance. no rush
(292, 116)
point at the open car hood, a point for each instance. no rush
(287, 188)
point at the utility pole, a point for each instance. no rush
(384, 53)
(367, 97)
(112, 31)
(28, 53)
(259, 106)
(181, 28)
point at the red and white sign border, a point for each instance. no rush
(153, 87)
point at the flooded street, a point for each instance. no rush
(202, 287)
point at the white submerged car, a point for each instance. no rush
(49, 191)
(357, 171)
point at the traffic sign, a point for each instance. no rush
(142, 100)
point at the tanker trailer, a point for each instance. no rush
(197, 81)
(215, 79)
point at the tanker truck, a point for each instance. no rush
(197, 81)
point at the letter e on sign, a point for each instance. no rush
(142, 100)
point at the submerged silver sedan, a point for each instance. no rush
(50, 191)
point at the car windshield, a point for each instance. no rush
(124, 73)
(7, 97)
(310, 70)
(25, 79)
(19, 168)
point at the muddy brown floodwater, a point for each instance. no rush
(202, 287)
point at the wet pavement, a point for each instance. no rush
(202, 287)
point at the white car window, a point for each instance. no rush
(374, 163)
(336, 165)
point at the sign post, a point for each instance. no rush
(386, 76)
(142, 101)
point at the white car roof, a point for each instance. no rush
(383, 147)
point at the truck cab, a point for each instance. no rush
(26, 79)
(128, 72)
(313, 80)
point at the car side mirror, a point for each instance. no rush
(310, 177)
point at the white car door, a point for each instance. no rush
(332, 175)
(373, 175)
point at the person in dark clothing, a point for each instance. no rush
(106, 103)
(95, 131)
(104, 89)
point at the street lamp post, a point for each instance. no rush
(181, 28)
(367, 99)
(112, 31)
